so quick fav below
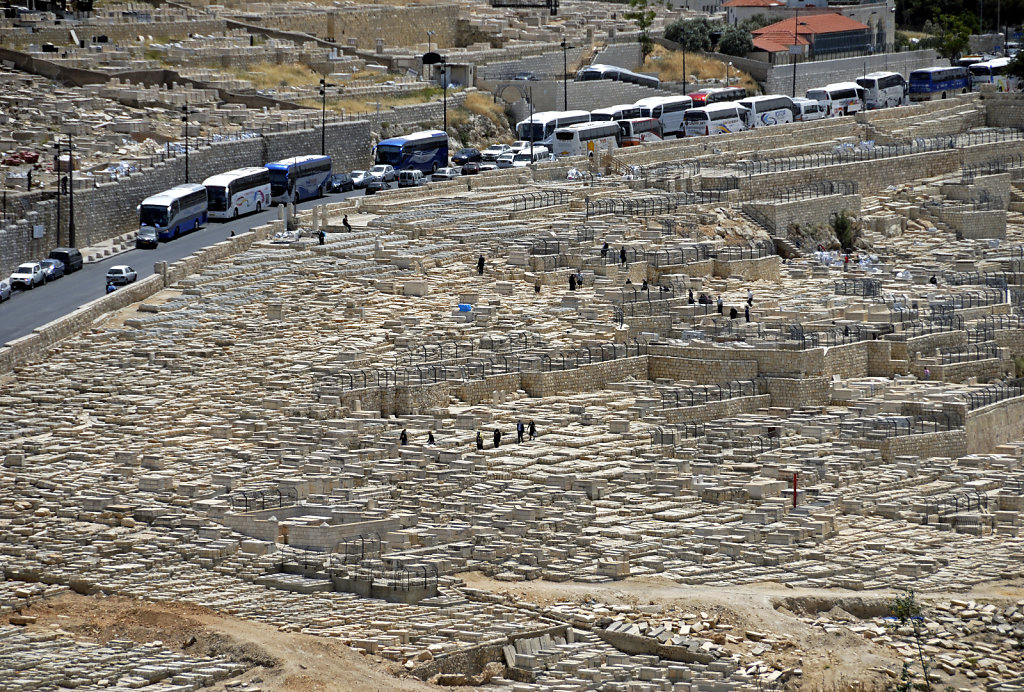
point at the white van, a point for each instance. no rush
(808, 109)
(841, 98)
(523, 158)
(410, 178)
(773, 109)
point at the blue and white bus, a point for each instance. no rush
(994, 72)
(540, 127)
(298, 178)
(170, 213)
(237, 192)
(424, 151)
(932, 83)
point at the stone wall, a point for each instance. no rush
(798, 392)
(585, 378)
(820, 72)
(993, 425)
(948, 444)
(1004, 110)
(806, 212)
(757, 269)
(700, 371)
(117, 33)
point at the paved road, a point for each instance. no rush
(27, 310)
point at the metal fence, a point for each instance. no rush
(993, 394)
(820, 188)
(703, 394)
(667, 257)
(970, 354)
(265, 498)
(1002, 164)
(539, 200)
(655, 205)
(858, 287)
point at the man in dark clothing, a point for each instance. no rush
(520, 429)
(746, 313)
(733, 314)
(321, 236)
(721, 306)
(604, 250)
(344, 222)
(403, 438)
(430, 438)
(497, 438)
(643, 287)
(690, 298)
(479, 441)
(533, 430)
(572, 282)
(622, 254)
(480, 265)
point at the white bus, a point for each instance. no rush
(884, 90)
(634, 131)
(668, 110)
(716, 119)
(584, 139)
(540, 128)
(772, 109)
(619, 112)
(841, 98)
(299, 177)
(994, 72)
(168, 214)
(238, 192)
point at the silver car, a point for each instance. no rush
(5, 290)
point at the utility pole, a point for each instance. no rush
(71, 193)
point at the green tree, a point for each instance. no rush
(1016, 66)
(736, 41)
(955, 38)
(643, 13)
(906, 609)
(692, 34)
(758, 21)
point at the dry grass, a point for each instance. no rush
(668, 65)
(267, 75)
(484, 105)
(366, 104)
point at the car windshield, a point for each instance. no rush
(466, 152)
(25, 269)
(150, 215)
(378, 169)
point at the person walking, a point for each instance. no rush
(746, 313)
(321, 236)
(622, 255)
(572, 282)
(345, 224)
(750, 297)
(480, 265)
(721, 306)
(733, 314)
(430, 438)
(604, 250)
(111, 287)
(403, 439)
(533, 430)
(536, 286)
(479, 441)
(520, 429)
(497, 438)
(690, 298)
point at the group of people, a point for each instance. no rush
(705, 299)
(521, 432)
(622, 252)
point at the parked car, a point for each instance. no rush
(411, 178)
(492, 152)
(70, 256)
(54, 269)
(464, 156)
(505, 160)
(121, 275)
(360, 179)
(489, 166)
(518, 145)
(471, 168)
(146, 237)
(445, 174)
(340, 182)
(376, 185)
(5, 290)
(525, 77)
(28, 275)
(384, 171)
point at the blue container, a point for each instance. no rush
(465, 307)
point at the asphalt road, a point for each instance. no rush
(27, 310)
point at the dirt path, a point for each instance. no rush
(283, 662)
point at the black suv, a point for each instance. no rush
(464, 156)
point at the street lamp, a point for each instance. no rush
(565, 76)
(184, 119)
(71, 193)
(432, 58)
(323, 115)
(56, 169)
(728, 67)
(430, 35)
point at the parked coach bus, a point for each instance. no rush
(618, 74)
(763, 111)
(884, 90)
(994, 72)
(540, 127)
(424, 151)
(717, 119)
(668, 110)
(634, 131)
(931, 83)
(582, 139)
(168, 214)
(712, 95)
(841, 98)
(620, 112)
(238, 192)
(298, 178)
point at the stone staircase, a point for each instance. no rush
(1016, 196)
(957, 117)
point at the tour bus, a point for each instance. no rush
(668, 110)
(238, 192)
(841, 98)
(170, 213)
(618, 74)
(772, 109)
(424, 151)
(716, 119)
(540, 128)
(634, 131)
(299, 177)
(994, 72)
(883, 89)
(808, 109)
(583, 139)
(620, 112)
(710, 95)
(930, 83)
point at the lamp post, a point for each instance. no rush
(323, 115)
(184, 119)
(430, 35)
(796, 22)
(728, 68)
(530, 92)
(71, 193)
(432, 58)
(56, 168)
(565, 75)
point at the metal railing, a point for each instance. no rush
(970, 354)
(701, 395)
(539, 199)
(992, 394)
(858, 287)
(655, 205)
(253, 500)
(667, 257)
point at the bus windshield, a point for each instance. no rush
(151, 215)
(389, 154)
(278, 177)
(218, 197)
(530, 131)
